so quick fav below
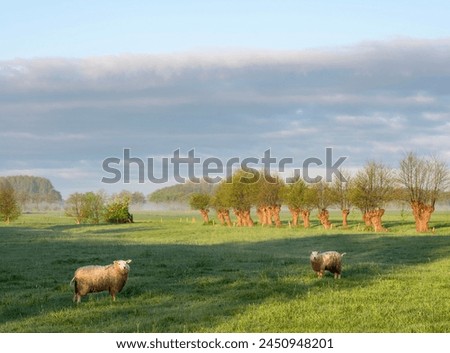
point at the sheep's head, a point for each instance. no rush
(122, 265)
(314, 255)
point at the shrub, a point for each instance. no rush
(117, 211)
(9, 208)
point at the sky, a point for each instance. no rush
(82, 81)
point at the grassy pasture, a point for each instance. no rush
(189, 277)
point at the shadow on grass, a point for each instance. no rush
(104, 228)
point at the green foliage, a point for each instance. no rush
(199, 201)
(85, 207)
(221, 199)
(340, 190)
(189, 278)
(32, 189)
(372, 187)
(243, 189)
(136, 197)
(117, 211)
(269, 190)
(299, 195)
(9, 207)
(322, 195)
(180, 192)
(74, 207)
(93, 206)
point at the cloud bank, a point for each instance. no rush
(373, 100)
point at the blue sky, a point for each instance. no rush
(90, 28)
(82, 80)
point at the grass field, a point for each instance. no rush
(189, 277)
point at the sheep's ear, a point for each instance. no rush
(128, 261)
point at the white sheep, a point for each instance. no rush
(327, 261)
(89, 279)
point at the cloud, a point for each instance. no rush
(60, 137)
(68, 174)
(370, 121)
(292, 129)
(436, 116)
(370, 99)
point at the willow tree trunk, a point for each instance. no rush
(204, 213)
(324, 218)
(264, 216)
(422, 215)
(247, 219)
(366, 219)
(374, 217)
(268, 211)
(295, 212)
(267, 216)
(221, 217)
(260, 215)
(345, 214)
(275, 213)
(224, 217)
(239, 216)
(305, 216)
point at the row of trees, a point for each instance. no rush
(89, 207)
(418, 181)
(94, 207)
(16, 192)
(33, 191)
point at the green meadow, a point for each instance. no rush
(190, 277)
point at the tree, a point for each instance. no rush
(74, 207)
(425, 181)
(340, 195)
(201, 202)
(221, 202)
(242, 194)
(93, 206)
(323, 200)
(117, 211)
(9, 207)
(136, 198)
(85, 207)
(180, 192)
(32, 189)
(372, 189)
(300, 199)
(268, 199)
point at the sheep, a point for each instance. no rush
(327, 261)
(89, 279)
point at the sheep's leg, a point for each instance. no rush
(77, 298)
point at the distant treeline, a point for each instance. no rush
(180, 193)
(33, 191)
